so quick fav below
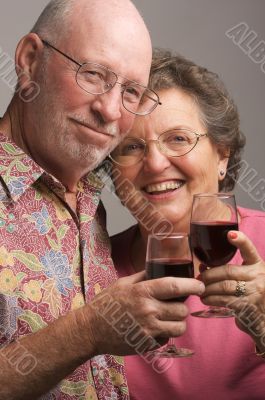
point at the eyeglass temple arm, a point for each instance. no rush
(59, 51)
(151, 98)
(199, 135)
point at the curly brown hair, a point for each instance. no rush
(218, 111)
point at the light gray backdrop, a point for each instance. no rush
(197, 29)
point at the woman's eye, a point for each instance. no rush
(179, 138)
(176, 139)
(132, 148)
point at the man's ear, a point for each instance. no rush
(27, 59)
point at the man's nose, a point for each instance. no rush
(109, 104)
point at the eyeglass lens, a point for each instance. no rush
(173, 143)
(97, 79)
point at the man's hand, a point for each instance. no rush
(134, 311)
(121, 320)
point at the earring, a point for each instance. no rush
(222, 173)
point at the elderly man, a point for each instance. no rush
(82, 76)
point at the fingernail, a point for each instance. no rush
(232, 235)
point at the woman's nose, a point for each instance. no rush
(154, 160)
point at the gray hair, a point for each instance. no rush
(218, 111)
(53, 19)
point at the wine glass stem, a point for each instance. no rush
(171, 342)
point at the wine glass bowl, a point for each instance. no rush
(213, 216)
(170, 255)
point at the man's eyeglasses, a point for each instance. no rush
(97, 79)
(173, 143)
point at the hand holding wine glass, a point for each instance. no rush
(170, 256)
(213, 216)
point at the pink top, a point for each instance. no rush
(224, 366)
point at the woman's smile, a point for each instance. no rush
(162, 190)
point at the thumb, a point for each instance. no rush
(247, 249)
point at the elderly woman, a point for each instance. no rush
(197, 107)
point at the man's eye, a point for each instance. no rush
(132, 93)
(92, 75)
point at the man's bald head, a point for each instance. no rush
(74, 25)
(56, 21)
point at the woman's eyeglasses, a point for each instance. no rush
(174, 143)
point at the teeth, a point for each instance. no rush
(160, 187)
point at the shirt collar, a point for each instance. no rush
(18, 171)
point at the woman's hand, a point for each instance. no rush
(241, 288)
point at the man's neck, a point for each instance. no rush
(5, 126)
(70, 199)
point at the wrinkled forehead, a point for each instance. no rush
(113, 38)
(178, 110)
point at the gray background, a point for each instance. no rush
(195, 28)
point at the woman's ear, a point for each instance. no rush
(27, 59)
(222, 163)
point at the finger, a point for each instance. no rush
(240, 305)
(170, 329)
(219, 301)
(131, 279)
(247, 249)
(170, 288)
(172, 311)
(226, 272)
(227, 287)
(230, 287)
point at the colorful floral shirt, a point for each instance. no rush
(52, 261)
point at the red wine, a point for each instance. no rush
(210, 244)
(163, 267)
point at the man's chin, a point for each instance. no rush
(96, 160)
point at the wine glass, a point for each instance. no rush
(169, 255)
(213, 215)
